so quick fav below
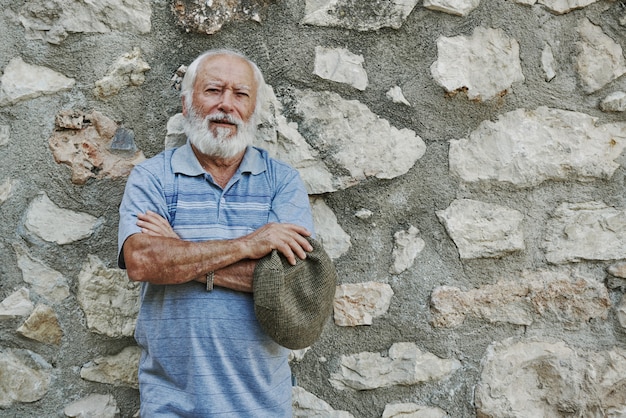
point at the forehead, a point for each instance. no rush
(226, 69)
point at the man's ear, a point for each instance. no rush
(184, 106)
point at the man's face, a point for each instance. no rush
(224, 85)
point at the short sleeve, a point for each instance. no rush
(143, 192)
(291, 201)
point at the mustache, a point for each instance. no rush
(224, 118)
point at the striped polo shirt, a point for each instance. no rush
(204, 353)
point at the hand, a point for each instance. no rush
(152, 223)
(288, 239)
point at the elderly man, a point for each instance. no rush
(193, 223)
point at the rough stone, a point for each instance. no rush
(117, 370)
(359, 303)
(54, 224)
(340, 65)
(5, 134)
(618, 269)
(307, 405)
(405, 365)
(453, 7)
(53, 21)
(334, 239)
(614, 102)
(26, 377)
(16, 304)
(108, 298)
(407, 245)
(412, 410)
(21, 81)
(585, 231)
(548, 62)
(621, 311)
(347, 134)
(208, 17)
(395, 95)
(528, 147)
(366, 17)
(482, 229)
(128, 70)
(42, 325)
(87, 150)
(539, 378)
(364, 213)
(560, 7)
(600, 59)
(93, 406)
(563, 296)
(6, 189)
(45, 281)
(484, 65)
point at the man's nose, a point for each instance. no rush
(226, 102)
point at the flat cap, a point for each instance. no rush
(293, 302)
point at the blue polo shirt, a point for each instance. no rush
(204, 353)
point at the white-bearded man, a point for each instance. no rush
(193, 223)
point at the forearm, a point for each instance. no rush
(165, 260)
(237, 276)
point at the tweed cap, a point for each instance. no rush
(292, 303)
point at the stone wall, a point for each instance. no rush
(464, 162)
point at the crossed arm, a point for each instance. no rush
(157, 255)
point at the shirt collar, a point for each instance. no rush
(184, 161)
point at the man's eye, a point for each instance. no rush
(242, 94)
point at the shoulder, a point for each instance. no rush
(270, 162)
(156, 165)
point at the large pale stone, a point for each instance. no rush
(53, 20)
(283, 141)
(93, 406)
(600, 59)
(42, 325)
(585, 231)
(117, 370)
(128, 70)
(359, 303)
(407, 245)
(25, 376)
(207, 17)
(86, 147)
(21, 81)
(54, 224)
(307, 405)
(405, 365)
(412, 410)
(484, 65)
(614, 102)
(108, 298)
(482, 229)
(44, 280)
(367, 16)
(16, 304)
(328, 231)
(453, 7)
(564, 6)
(340, 65)
(527, 147)
(563, 295)
(349, 137)
(538, 378)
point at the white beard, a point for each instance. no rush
(220, 145)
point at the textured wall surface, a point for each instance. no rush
(464, 160)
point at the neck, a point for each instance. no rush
(221, 169)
